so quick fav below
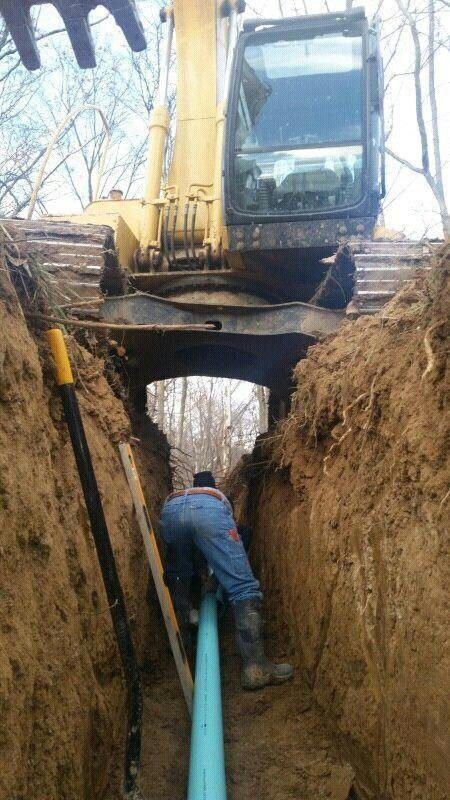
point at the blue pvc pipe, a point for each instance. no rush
(207, 760)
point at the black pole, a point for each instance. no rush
(106, 559)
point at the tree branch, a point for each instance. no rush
(405, 162)
(40, 36)
(418, 86)
(434, 113)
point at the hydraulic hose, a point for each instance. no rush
(185, 232)
(166, 219)
(172, 238)
(207, 759)
(106, 559)
(194, 215)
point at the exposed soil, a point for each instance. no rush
(348, 499)
(61, 687)
(277, 742)
(62, 719)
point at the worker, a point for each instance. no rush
(201, 517)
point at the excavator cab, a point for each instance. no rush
(303, 159)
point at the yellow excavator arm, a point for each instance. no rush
(185, 214)
(191, 205)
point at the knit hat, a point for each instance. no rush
(205, 478)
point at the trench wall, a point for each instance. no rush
(62, 711)
(348, 499)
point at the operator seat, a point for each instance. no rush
(303, 188)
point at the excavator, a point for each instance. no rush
(256, 246)
(260, 240)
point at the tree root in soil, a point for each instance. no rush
(431, 359)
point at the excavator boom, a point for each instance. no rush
(74, 13)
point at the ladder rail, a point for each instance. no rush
(156, 566)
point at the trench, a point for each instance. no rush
(348, 543)
(277, 741)
(347, 501)
(62, 725)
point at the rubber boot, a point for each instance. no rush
(257, 671)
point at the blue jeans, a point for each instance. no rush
(205, 522)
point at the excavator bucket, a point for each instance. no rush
(74, 13)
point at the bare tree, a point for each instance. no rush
(226, 458)
(182, 413)
(123, 85)
(209, 423)
(424, 60)
(161, 404)
(33, 104)
(19, 153)
(262, 399)
(25, 127)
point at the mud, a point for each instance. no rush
(348, 499)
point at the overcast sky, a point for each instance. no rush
(409, 205)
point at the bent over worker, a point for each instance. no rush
(202, 518)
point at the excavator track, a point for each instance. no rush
(248, 341)
(74, 256)
(81, 261)
(381, 267)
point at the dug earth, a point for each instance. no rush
(348, 499)
(62, 699)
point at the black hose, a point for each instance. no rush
(111, 581)
(165, 233)
(172, 241)
(185, 232)
(194, 214)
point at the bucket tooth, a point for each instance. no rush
(19, 25)
(74, 13)
(79, 32)
(126, 17)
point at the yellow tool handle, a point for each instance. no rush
(57, 344)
